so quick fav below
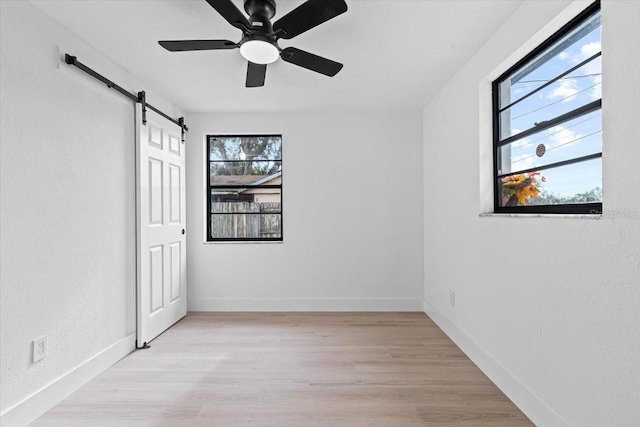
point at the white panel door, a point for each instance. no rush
(161, 257)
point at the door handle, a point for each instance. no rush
(183, 231)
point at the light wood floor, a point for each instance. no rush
(292, 369)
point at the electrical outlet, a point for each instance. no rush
(452, 298)
(39, 348)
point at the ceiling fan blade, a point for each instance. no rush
(187, 45)
(310, 61)
(256, 74)
(308, 15)
(231, 13)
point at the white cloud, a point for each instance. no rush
(559, 135)
(521, 143)
(570, 86)
(523, 152)
(587, 51)
(519, 90)
(523, 161)
(563, 55)
(592, 68)
(565, 90)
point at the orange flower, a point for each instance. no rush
(523, 186)
(513, 180)
(525, 192)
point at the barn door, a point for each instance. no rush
(161, 257)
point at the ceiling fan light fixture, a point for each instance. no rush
(259, 52)
(259, 43)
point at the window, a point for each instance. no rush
(547, 124)
(244, 200)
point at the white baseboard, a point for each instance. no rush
(305, 304)
(534, 408)
(34, 406)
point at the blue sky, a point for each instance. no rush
(578, 137)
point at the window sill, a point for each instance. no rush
(246, 242)
(520, 215)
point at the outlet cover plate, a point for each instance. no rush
(39, 348)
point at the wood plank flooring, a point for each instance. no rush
(292, 369)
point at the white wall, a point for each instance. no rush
(67, 213)
(548, 306)
(352, 202)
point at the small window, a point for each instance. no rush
(244, 201)
(547, 124)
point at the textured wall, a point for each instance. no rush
(352, 217)
(555, 301)
(67, 203)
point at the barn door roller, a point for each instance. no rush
(141, 97)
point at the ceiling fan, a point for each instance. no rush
(259, 43)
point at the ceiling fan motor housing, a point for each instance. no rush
(260, 14)
(259, 43)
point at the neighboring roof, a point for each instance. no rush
(235, 179)
(268, 178)
(243, 179)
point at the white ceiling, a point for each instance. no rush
(397, 54)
